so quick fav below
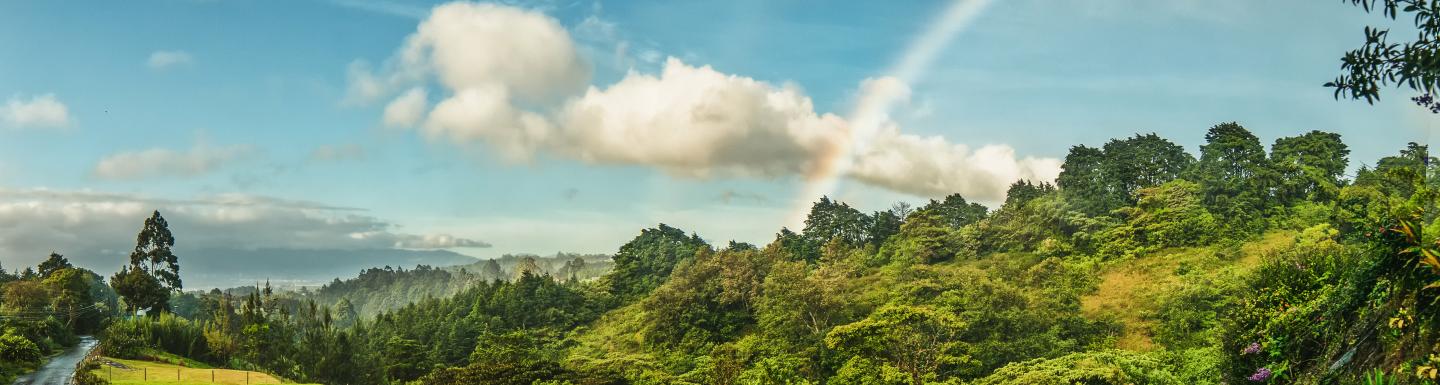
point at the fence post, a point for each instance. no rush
(145, 373)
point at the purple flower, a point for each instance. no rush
(1252, 349)
(1261, 375)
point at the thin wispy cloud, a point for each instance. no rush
(170, 163)
(381, 7)
(161, 60)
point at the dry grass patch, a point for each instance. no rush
(132, 372)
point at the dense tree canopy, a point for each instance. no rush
(645, 262)
(1142, 265)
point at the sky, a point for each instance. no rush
(488, 128)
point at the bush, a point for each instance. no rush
(1166, 216)
(1103, 367)
(14, 348)
(1189, 315)
(861, 371)
(168, 333)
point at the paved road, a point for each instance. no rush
(60, 368)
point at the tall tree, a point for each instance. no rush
(645, 262)
(69, 294)
(955, 212)
(1097, 181)
(1397, 173)
(154, 271)
(152, 252)
(1024, 191)
(1141, 161)
(1083, 184)
(1309, 166)
(834, 219)
(1234, 173)
(54, 263)
(140, 291)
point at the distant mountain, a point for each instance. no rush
(204, 269)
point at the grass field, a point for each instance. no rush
(145, 372)
(1128, 288)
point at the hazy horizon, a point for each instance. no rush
(589, 122)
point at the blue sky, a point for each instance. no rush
(244, 112)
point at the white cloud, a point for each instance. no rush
(407, 109)
(436, 241)
(486, 113)
(41, 111)
(695, 121)
(96, 228)
(469, 45)
(160, 60)
(512, 80)
(932, 166)
(163, 162)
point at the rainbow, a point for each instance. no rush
(873, 106)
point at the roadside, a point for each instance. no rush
(60, 368)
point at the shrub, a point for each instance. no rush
(1102, 367)
(14, 348)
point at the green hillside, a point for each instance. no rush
(1142, 264)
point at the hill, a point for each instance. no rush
(1141, 264)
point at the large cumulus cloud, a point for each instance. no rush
(514, 81)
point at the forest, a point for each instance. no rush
(1142, 263)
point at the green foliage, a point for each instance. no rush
(1168, 215)
(1298, 301)
(54, 263)
(1309, 166)
(131, 338)
(1189, 316)
(706, 301)
(1234, 175)
(924, 238)
(18, 349)
(955, 212)
(862, 371)
(404, 359)
(71, 297)
(1380, 63)
(645, 262)
(153, 272)
(1100, 180)
(1101, 367)
(950, 293)
(917, 340)
(833, 219)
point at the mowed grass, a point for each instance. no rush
(145, 372)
